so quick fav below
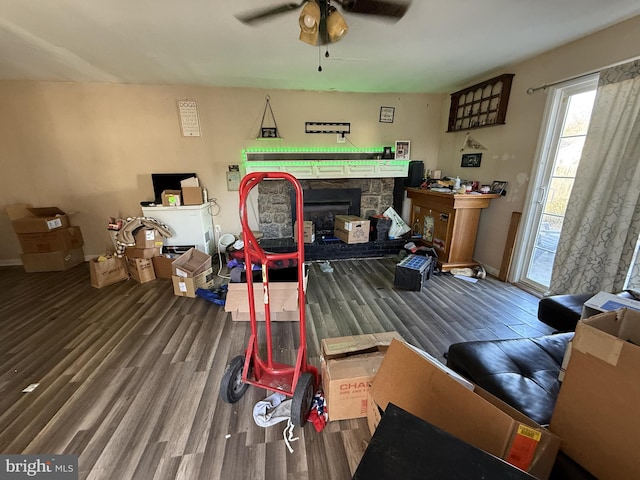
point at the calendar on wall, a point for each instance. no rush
(189, 121)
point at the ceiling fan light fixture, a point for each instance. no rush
(309, 21)
(337, 26)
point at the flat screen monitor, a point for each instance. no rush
(167, 181)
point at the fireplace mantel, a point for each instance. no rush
(309, 164)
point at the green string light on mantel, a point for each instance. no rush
(306, 150)
(306, 163)
(314, 149)
(336, 162)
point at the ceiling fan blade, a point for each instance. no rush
(264, 13)
(385, 8)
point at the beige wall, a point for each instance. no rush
(90, 148)
(511, 148)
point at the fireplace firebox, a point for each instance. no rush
(323, 204)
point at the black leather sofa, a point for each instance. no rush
(562, 312)
(524, 372)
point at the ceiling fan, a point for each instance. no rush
(321, 23)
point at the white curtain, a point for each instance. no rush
(598, 244)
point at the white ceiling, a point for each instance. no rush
(438, 46)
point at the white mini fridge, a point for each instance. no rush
(191, 225)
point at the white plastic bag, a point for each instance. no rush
(398, 226)
(274, 409)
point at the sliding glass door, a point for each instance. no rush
(559, 152)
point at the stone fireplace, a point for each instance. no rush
(341, 181)
(323, 198)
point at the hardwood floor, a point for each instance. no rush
(129, 374)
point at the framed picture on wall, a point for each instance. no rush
(403, 149)
(387, 114)
(268, 132)
(471, 159)
(499, 187)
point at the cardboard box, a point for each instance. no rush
(52, 261)
(140, 269)
(422, 386)
(187, 286)
(374, 413)
(171, 198)
(283, 300)
(596, 414)
(26, 219)
(348, 366)
(351, 229)
(106, 271)
(148, 238)
(192, 196)
(135, 252)
(191, 263)
(56, 240)
(309, 232)
(190, 182)
(162, 265)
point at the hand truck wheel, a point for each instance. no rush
(232, 387)
(302, 399)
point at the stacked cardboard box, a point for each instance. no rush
(171, 198)
(139, 258)
(351, 229)
(192, 195)
(309, 232)
(283, 299)
(192, 192)
(140, 269)
(192, 270)
(348, 367)
(49, 242)
(162, 264)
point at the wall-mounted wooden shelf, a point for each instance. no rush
(482, 105)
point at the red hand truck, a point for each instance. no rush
(298, 381)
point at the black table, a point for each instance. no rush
(405, 447)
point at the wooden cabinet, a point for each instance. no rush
(481, 105)
(449, 223)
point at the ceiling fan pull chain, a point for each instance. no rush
(319, 58)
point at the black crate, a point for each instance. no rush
(379, 228)
(413, 272)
